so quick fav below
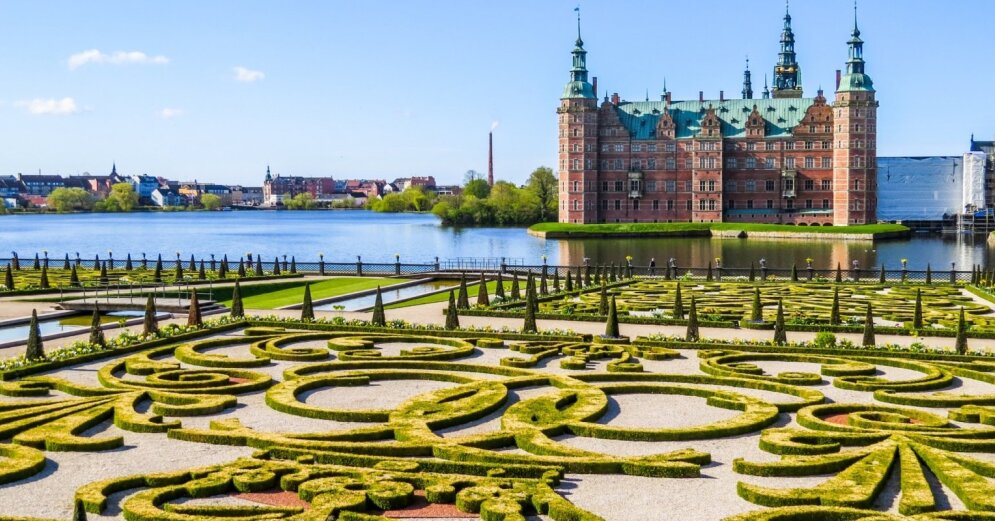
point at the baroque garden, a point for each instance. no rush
(747, 397)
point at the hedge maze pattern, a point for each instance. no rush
(908, 420)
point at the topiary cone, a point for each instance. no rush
(757, 310)
(780, 335)
(452, 318)
(237, 310)
(960, 344)
(150, 325)
(917, 313)
(379, 318)
(483, 299)
(307, 308)
(193, 314)
(34, 350)
(868, 340)
(678, 312)
(692, 334)
(96, 332)
(611, 327)
(834, 312)
(8, 278)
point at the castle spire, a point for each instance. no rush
(766, 94)
(787, 72)
(578, 87)
(747, 81)
(855, 78)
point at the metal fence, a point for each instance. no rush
(284, 265)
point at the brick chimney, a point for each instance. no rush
(701, 96)
(722, 95)
(838, 78)
(615, 99)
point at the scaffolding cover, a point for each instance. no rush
(920, 188)
(974, 180)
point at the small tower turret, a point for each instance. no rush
(747, 83)
(787, 72)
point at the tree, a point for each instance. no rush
(237, 311)
(542, 184)
(43, 280)
(757, 311)
(96, 332)
(780, 335)
(530, 312)
(73, 278)
(516, 293)
(471, 175)
(477, 188)
(452, 318)
(929, 274)
(122, 198)
(307, 308)
(611, 327)
(603, 305)
(570, 283)
(960, 344)
(378, 319)
(301, 201)
(8, 279)
(35, 350)
(917, 313)
(157, 274)
(834, 312)
(692, 334)
(193, 314)
(868, 340)
(483, 299)
(150, 325)
(64, 200)
(678, 312)
(463, 300)
(499, 287)
(210, 201)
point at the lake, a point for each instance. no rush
(342, 235)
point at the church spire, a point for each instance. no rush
(855, 78)
(747, 82)
(787, 73)
(578, 87)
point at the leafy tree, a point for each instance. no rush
(477, 188)
(471, 175)
(35, 350)
(307, 308)
(122, 198)
(542, 184)
(237, 310)
(64, 200)
(210, 201)
(452, 318)
(301, 201)
(379, 318)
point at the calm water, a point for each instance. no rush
(389, 296)
(342, 235)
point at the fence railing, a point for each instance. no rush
(255, 266)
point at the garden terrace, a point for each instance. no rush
(334, 419)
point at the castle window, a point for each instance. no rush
(650, 186)
(825, 203)
(789, 204)
(670, 204)
(618, 204)
(770, 203)
(789, 145)
(770, 163)
(636, 147)
(701, 186)
(604, 164)
(730, 186)
(770, 145)
(827, 184)
(751, 145)
(656, 204)
(670, 186)
(651, 148)
(751, 163)
(687, 164)
(711, 186)
(589, 164)
(749, 204)
(619, 147)
(731, 162)
(576, 164)
(811, 129)
(701, 204)
(604, 147)
(751, 185)
(604, 186)
(687, 185)
(635, 204)
(769, 185)
(809, 145)
(711, 204)
(619, 164)
(808, 203)
(652, 164)
(604, 204)
(828, 129)
(576, 186)
(826, 145)
(789, 162)
(576, 132)
(857, 185)
(619, 186)
(671, 163)
(589, 147)
(670, 147)
(576, 204)
(809, 162)
(637, 164)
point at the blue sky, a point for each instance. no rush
(382, 89)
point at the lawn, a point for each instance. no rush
(442, 297)
(279, 294)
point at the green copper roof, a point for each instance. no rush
(856, 82)
(782, 115)
(578, 89)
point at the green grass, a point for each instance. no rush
(443, 297)
(677, 228)
(279, 294)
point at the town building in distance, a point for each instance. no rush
(779, 158)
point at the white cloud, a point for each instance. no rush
(170, 113)
(49, 106)
(115, 58)
(247, 75)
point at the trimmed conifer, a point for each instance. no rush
(569, 285)
(97, 332)
(96, 263)
(516, 292)
(881, 275)
(223, 269)
(65, 263)
(73, 277)
(499, 287)
(603, 304)
(307, 308)
(104, 279)
(483, 299)
(587, 275)
(293, 264)
(579, 280)
(193, 264)
(259, 267)
(530, 313)
(452, 318)
(79, 512)
(556, 281)
(201, 274)
(276, 266)
(237, 310)
(611, 327)
(35, 350)
(692, 334)
(127, 263)
(150, 325)
(37, 264)
(757, 310)
(543, 286)
(8, 278)
(753, 272)
(868, 340)
(780, 335)
(929, 274)
(794, 273)
(463, 300)
(708, 275)
(16, 262)
(193, 314)
(43, 279)
(839, 273)
(960, 344)
(678, 312)
(917, 313)
(834, 312)
(241, 268)
(379, 318)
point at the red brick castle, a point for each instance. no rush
(783, 158)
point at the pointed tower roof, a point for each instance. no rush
(787, 72)
(578, 86)
(747, 81)
(855, 78)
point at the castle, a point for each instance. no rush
(782, 158)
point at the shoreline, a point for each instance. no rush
(872, 232)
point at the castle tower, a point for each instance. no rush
(855, 150)
(578, 136)
(787, 72)
(747, 83)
